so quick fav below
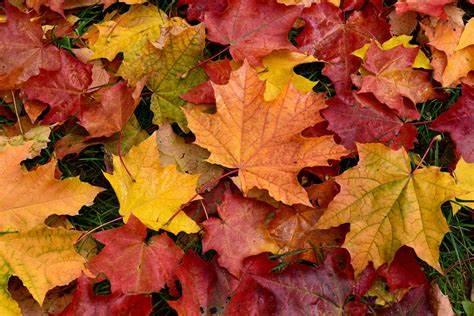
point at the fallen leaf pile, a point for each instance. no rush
(233, 157)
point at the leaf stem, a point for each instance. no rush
(202, 62)
(433, 140)
(119, 150)
(98, 227)
(17, 114)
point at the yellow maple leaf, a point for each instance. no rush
(464, 173)
(128, 33)
(421, 61)
(263, 139)
(388, 206)
(278, 71)
(42, 258)
(28, 198)
(467, 36)
(155, 193)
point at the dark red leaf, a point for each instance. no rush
(404, 271)
(458, 121)
(371, 122)
(205, 287)
(329, 37)
(86, 303)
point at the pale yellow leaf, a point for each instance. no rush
(388, 205)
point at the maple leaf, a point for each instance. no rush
(421, 61)
(189, 158)
(450, 62)
(389, 205)
(63, 90)
(197, 8)
(432, 7)
(278, 71)
(465, 181)
(467, 36)
(404, 271)
(292, 227)
(239, 233)
(128, 33)
(131, 135)
(154, 194)
(51, 262)
(331, 38)
(166, 58)
(109, 110)
(218, 72)
(393, 80)
(251, 31)
(22, 51)
(262, 138)
(303, 290)
(39, 195)
(458, 121)
(85, 302)
(150, 263)
(54, 5)
(55, 301)
(204, 286)
(172, 69)
(250, 298)
(421, 300)
(371, 121)
(37, 135)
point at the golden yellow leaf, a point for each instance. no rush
(464, 174)
(128, 33)
(156, 193)
(263, 139)
(467, 36)
(388, 206)
(28, 198)
(421, 61)
(42, 258)
(278, 71)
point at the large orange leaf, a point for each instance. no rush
(28, 198)
(263, 139)
(388, 205)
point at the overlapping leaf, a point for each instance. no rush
(388, 205)
(262, 139)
